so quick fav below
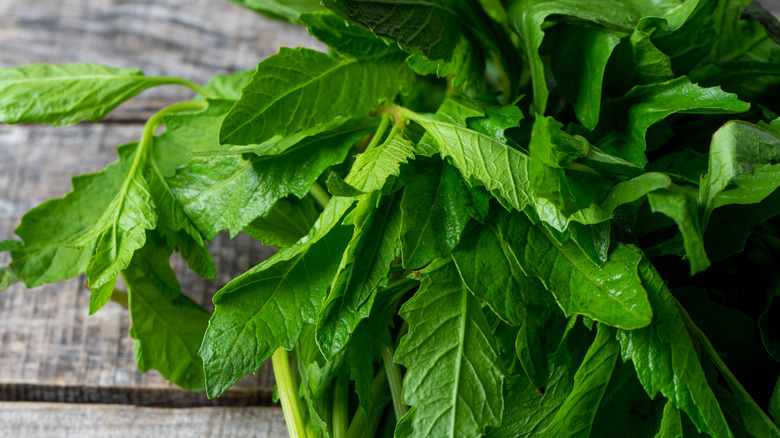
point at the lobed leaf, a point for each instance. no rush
(452, 377)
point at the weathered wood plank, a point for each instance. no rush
(194, 39)
(50, 350)
(38, 420)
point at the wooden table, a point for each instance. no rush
(63, 373)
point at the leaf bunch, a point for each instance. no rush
(495, 218)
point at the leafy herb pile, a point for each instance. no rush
(503, 218)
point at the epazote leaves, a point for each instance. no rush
(456, 386)
(228, 192)
(612, 293)
(478, 206)
(167, 326)
(63, 94)
(294, 90)
(275, 298)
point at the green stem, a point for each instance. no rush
(724, 370)
(120, 297)
(380, 132)
(172, 80)
(287, 394)
(359, 426)
(395, 380)
(319, 194)
(340, 416)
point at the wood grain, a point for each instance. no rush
(62, 420)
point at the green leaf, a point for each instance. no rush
(489, 270)
(436, 207)
(363, 268)
(666, 360)
(579, 68)
(744, 167)
(528, 410)
(121, 229)
(289, 220)
(167, 326)
(229, 86)
(63, 94)
(612, 294)
(297, 89)
(671, 426)
(623, 133)
(501, 169)
(348, 39)
(450, 354)
(575, 417)
(527, 18)
(405, 426)
(679, 204)
(48, 230)
(229, 192)
(267, 307)
(288, 10)
(372, 168)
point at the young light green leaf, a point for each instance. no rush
(121, 229)
(348, 39)
(63, 94)
(167, 326)
(297, 89)
(275, 298)
(612, 294)
(436, 207)
(364, 266)
(452, 376)
(501, 169)
(744, 167)
(288, 10)
(666, 360)
(372, 168)
(575, 417)
(680, 205)
(229, 192)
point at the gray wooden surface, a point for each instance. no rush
(50, 349)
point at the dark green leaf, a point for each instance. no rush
(679, 204)
(289, 220)
(575, 417)
(436, 208)
(167, 326)
(229, 192)
(612, 294)
(666, 361)
(671, 426)
(744, 167)
(348, 39)
(267, 307)
(364, 267)
(579, 68)
(450, 354)
(297, 89)
(632, 114)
